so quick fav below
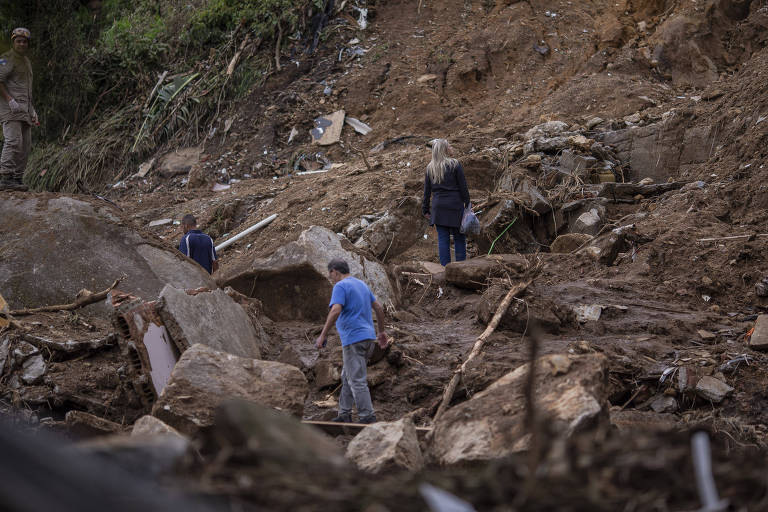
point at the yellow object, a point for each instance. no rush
(5, 317)
(606, 177)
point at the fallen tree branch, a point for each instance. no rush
(69, 345)
(503, 306)
(82, 300)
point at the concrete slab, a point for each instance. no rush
(327, 128)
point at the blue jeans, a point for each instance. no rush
(354, 381)
(444, 244)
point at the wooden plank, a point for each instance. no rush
(336, 429)
(327, 128)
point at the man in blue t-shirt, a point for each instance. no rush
(350, 308)
(197, 245)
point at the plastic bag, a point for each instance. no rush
(470, 225)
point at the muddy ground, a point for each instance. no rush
(499, 69)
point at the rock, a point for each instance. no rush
(576, 164)
(492, 423)
(60, 230)
(5, 346)
(474, 272)
(178, 161)
(646, 181)
(531, 161)
(141, 455)
(694, 185)
(550, 144)
(548, 129)
(160, 222)
(664, 404)
(518, 317)
(327, 373)
(209, 318)
(274, 438)
(289, 355)
(712, 389)
(569, 242)
(387, 446)
(204, 378)
(83, 424)
(537, 200)
(293, 283)
(761, 287)
(426, 78)
(588, 312)
(610, 31)
(588, 223)
(759, 338)
(606, 248)
(592, 122)
(397, 231)
(706, 335)
(33, 369)
(150, 426)
(327, 128)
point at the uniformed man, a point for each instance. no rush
(16, 111)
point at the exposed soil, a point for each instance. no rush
(500, 69)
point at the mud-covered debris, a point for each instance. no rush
(664, 403)
(712, 389)
(474, 272)
(387, 446)
(204, 378)
(645, 421)
(5, 316)
(759, 338)
(327, 128)
(589, 222)
(5, 347)
(588, 312)
(426, 78)
(70, 346)
(761, 287)
(359, 126)
(734, 364)
(160, 222)
(706, 335)
(606, 248)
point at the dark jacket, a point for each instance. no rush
(448, 198)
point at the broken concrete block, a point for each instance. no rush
(150, 426)
(474, 272)
(569, 242)
(492, 423)
(327, 128)
(588, 223)
(387, 446)
(293, 283)
(82, 424)
(204, 378)
(33, 369)
(759, 338)
(208, 318)
(712, 389)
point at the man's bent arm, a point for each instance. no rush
(4, 92)
(382, 335)
(333, 314)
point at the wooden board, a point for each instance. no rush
(337, 429)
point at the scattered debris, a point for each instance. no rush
(359, 126)
(327, 129)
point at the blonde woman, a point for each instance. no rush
(445, 188)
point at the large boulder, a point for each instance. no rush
(519, 316)
(209, 318)
(474, 272)
(385, 446)
(569, 395)
(43, 236)
(293, 283)
(204, 378)
(402, 226)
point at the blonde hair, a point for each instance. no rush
(441, 162)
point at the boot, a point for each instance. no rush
(11, 184)
(368, 419)
(343, 417)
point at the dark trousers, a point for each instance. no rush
(444, 244)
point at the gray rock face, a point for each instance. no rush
(474, 272)
(385, 446)
(150, 426)
(569, 242)
(759, 338)
(665, 404)
(588, 222)
(293, 282)
(205, 378)
(397, 231)
(570, 391)
(142, 455)
(208, 318)
(33, 369)
(712, 389)
(42, 236)
(576, 164)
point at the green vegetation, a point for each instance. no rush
(96, 64)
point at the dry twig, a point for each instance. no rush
(81, 301)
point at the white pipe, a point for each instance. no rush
(248, 231)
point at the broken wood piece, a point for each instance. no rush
(84, 298)
(233, 63)
(478, 346)
(69, 346)
(735, 237)
(336, 429)
(245, 233)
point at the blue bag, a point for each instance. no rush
(470, 225)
